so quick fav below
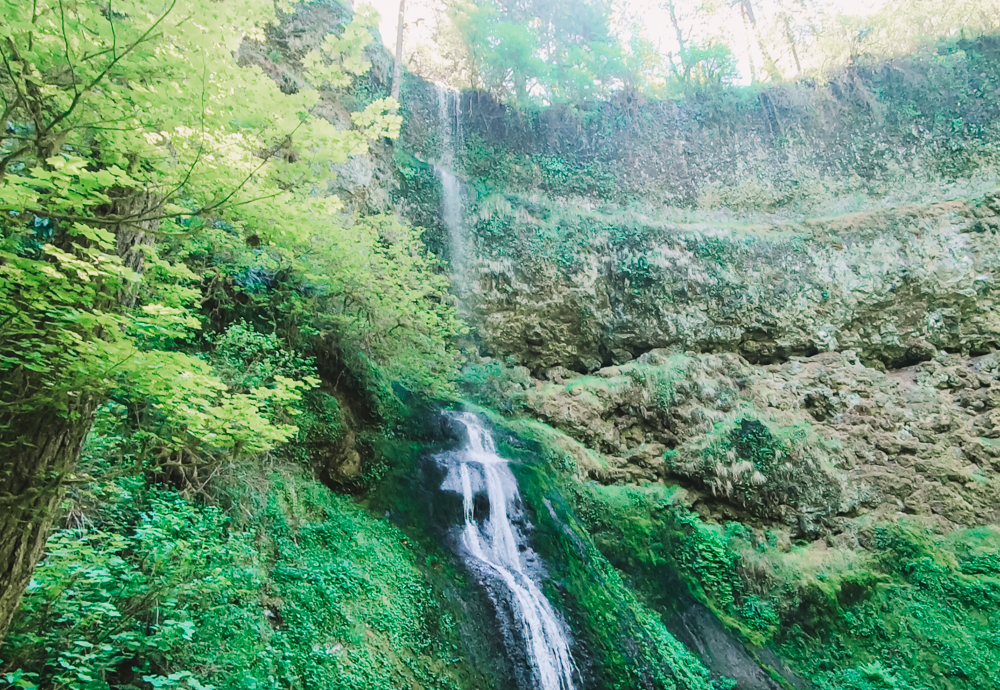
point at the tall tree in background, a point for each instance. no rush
(397, 68)
(554, 50)
(749, 15)
(698, 61)
(679, 34)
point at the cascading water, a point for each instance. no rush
(496, 551)
(450, 116)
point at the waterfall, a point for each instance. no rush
(450, 121)
(450, 116)
(497, 552)
(451, 214)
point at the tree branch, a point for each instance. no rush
(117, 58)
(66, 50)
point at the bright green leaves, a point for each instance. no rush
(341, 57)
(122, 604)
(180, 679)
(199, 414)
(547, 49)
(296, 588)
(101, 238)
(62, 185)
(378, 290)
(374, 121)
(134, 124)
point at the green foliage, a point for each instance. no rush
(120, 603)
(666, 551)
(294, 588)
(866, 677)
(927, 624)
(569, 177)
(112, 172)
(543, 49)
(341, 58)
(902, 615)
(494, 383)
(709, 65)
(349, 605)
(192, 408)
(255, 402)
(321, 427)
(375, 302)
(245, 359)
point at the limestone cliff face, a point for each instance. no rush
(562, 288)
(799, 374)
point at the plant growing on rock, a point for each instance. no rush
(762, 469)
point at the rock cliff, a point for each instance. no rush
(561, 287)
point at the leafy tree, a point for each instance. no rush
(697, 62)
(554, 50)
(128, 135)
(817, 36)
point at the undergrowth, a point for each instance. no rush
(905, 609)
(276, 582)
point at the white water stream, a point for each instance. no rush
(496, 550)
(450, 116)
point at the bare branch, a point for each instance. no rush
(21, 96)
(5, 161)
(114, 36)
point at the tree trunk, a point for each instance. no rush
(40, 447)
(769, 64)
(397, 68)
(39, 450)
(132, 236)
(791, 41)
(681, 45)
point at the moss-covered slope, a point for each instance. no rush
(902, 606)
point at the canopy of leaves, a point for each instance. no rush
(132, 154)
(555, 51)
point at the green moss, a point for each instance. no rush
(912, 611)
(627, 643)
(915, 620)
(495, 383)
(353, 608)
(760, 465)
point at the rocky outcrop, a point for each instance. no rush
(362, 182)
(560, 286)
(810, 443)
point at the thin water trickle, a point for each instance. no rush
(450, 118)
(495, 549)
(451, 214)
